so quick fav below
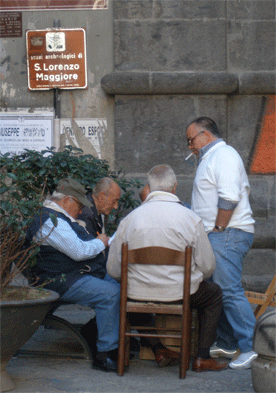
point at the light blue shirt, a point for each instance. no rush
(64, 239)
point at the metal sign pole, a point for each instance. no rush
(57, 103)
(56, 24)
(57, 108)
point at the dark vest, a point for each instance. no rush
(58, 269)
(90, 216)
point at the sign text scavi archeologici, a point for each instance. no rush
(56, 58)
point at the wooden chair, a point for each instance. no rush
(155, 256)
(264, 300)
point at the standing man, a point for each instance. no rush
(105, 197)
(162, 220)
(221, 198)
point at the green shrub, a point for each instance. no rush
(30, 176)
(27, 178)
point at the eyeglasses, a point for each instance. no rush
(80, 205)
(190, 141)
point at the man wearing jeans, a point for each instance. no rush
(73, 263)
(221, 198)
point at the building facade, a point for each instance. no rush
(152, 67)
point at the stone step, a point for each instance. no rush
(259, 261)
(256, 283)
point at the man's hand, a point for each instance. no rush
(223, 218)
(103, 238)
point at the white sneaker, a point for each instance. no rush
(243, 361)
(217, 352)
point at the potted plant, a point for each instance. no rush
(22, 308)
(25, 180)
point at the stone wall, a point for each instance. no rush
(155, 65)
(82, 104)
(176, 60)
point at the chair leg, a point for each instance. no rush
(185, 345)
(122, 349)
(127, 357)
(189, 344)
(182, 366)
(183, 354)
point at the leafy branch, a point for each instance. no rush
(25, 181)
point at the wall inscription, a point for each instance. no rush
(10, 24)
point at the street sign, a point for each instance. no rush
(88, 131)
(26, 129)
(56, 58)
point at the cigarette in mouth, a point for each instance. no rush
(190, 155)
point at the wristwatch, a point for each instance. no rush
(219, 228)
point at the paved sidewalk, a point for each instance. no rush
(51, 375)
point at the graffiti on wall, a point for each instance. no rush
(263, 155)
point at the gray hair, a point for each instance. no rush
(103, 185)
(57, 196)
(161, 178)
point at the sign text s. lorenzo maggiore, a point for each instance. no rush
(56, 58)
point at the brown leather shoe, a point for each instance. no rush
(200, 364)
(166, 357)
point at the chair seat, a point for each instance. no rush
(154, 308)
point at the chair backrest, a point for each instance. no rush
(157, 256)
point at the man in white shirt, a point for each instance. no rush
(162, 220)
(221, 198)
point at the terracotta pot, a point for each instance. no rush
(19, 321)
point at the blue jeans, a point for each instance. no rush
(236, 324)
(104, 297)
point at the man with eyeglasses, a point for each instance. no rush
(221, 198)
(73, 263)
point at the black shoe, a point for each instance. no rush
(113, 355)
(103, 362)
(90, 333)
(134, 344)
